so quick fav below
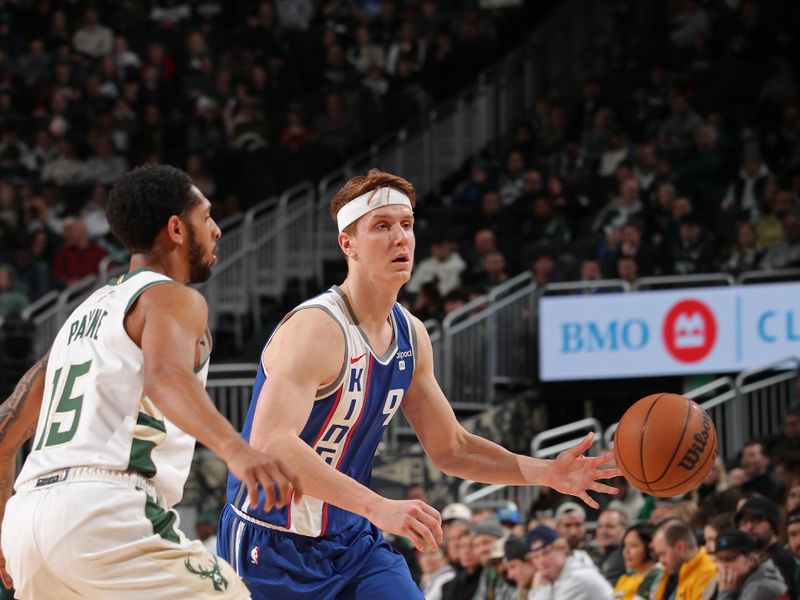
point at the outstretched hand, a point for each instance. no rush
(575, 474)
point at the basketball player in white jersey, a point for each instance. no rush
(331, 378)
(115, 408)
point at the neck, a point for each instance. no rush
(168, 265)
(370, 302)
(644, 567)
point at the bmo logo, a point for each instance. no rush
(690, 331)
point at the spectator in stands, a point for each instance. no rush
(519, 569)
(436, 571)
(631, 245)
(105, 167)
(611, 526)
(570, 520)
(759, 518)
(543, 225)
(337, 129)
(78, 257)
(494, 583)
(678, 131)
(427, 303)
(769, 228)
(793, 531)
(563, 572)
(590, 271)
(483, 242)
(641, 569)
(469, 193)
(743, 254)
(620, 210)
(296, 134)
(495, 273)
(628, 500)
(743, 195)
(365, 53)
(786, 253)
(743, 572)
(453, 300)
(692, 253)
(627, 269)
(444, 265)
(512, 180)
(465, 583)
(712, 529)
(544, 268)
(92, 38)
(12, 299)
(688, 571)
(492, 215)
(755, 463)
(790, 438)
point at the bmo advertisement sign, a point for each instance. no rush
(667, 332)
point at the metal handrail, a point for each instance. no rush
(695, 280)
(571, 286)
(750, 277)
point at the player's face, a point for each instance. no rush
(633, 550)
(203, 234)
(384, 242)
(793, 532)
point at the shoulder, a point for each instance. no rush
(308, 341)
(167, 295)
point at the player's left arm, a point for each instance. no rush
(462, 454)
(18, 417)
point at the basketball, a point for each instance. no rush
(665, 445)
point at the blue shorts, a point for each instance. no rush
(357, 564)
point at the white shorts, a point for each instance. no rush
(91, 533)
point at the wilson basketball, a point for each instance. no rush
(665, 445)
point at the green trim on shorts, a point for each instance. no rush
(141, 459)
(150, 421)
(163, 521)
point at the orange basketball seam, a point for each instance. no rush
(677, 446)
(712, 453)
(618, 452)
(641, 438)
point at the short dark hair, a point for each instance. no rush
(142, 202)
(678, 531)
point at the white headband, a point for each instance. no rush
(361, 205)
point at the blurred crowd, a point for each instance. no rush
(248, 97)
(679, 156)
(736, 536)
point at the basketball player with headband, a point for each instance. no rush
(332, 376)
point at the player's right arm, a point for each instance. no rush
(306, 352)
(166, 323)
(18, 417)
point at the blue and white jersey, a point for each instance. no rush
(347, 420)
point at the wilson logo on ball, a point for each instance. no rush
(689, 331)
(698, 447)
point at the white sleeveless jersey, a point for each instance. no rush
(94, 412)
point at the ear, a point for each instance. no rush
(347, 244)
(176, 230)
